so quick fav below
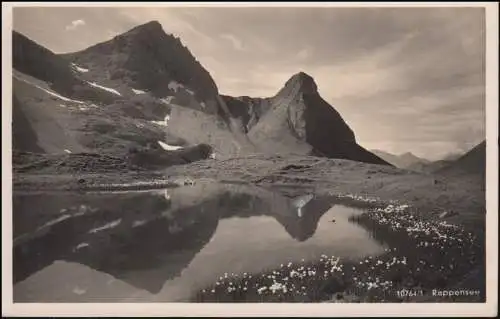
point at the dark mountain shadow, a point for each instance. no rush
(165, 244)
(59, 234)
(121, 241)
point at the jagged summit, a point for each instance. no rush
(151, 30)
(147, 58)
(301, 82)
(303, 76)
(299, 120)
(153, 25)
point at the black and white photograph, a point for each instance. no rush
(240, 154)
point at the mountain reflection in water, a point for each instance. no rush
(171, 242)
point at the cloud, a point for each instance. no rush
(236, 43)
(75, 24)
(303, 54)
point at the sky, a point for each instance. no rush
(404, 79)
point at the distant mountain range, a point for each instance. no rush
(405, 160)
(143, 91)
(473, 161)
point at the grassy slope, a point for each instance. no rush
(24, 137)
(110, 129)
(48, 118)
(432, 194)
(473, 162)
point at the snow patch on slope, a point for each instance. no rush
(138, 223)
(167, 100)
(104, 88)
(106, 226)
(138, 91)
(168, 147)
(48, 91)
(80, 246)
(79, 68)
(175, 86)
(164, 122)
(55, 221)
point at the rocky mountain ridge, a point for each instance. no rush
(298, 121)
(144, 89)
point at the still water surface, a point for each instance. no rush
(166, 245)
